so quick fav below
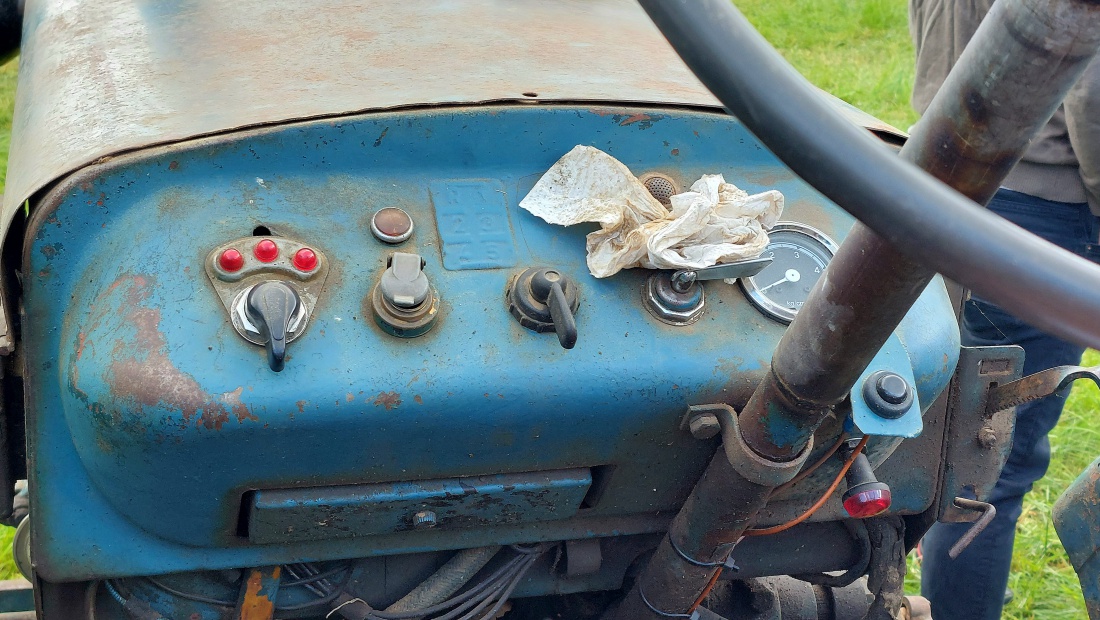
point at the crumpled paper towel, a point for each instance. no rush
(714, 222)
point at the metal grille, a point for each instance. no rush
(661, 187)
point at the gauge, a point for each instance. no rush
(799, 255)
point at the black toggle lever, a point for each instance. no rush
(543, 300)
(271, 306)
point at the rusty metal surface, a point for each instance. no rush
(319, 513)
(148, 369)
(870, 284)
(1038, 385)
(986, 511)
(97, 78)
(258, 593)
(978, 439)
(1076, 517)
(101, 78)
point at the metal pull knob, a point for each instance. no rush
(271, 306)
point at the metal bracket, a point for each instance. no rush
(978, 438)
(894, 358)
(683, 279)
(1036, 386)
(746, 462)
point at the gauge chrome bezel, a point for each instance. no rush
(771, 309)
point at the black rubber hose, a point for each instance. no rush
(928, 221)
(858, 529)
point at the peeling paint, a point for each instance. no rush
(389, 400)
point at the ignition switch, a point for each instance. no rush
(269, 286)
(272, 307)
(404, 303)
(544, 300)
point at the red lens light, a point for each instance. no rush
(305, 259)
(231, 260)
(266, 251)
(868, 503)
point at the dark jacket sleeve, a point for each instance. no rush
(1082, 106)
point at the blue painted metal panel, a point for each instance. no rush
(1077, 521)
(151, 419)
(472, 218)
(288, 515)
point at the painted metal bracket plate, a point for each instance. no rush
(895, 358)
(978, 440)
(280, 516)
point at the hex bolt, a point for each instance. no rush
(425, 519)
(704, 426)
(987, 437)
(887, 394)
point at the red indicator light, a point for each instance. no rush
(867, 503)
(305, 259)
(266, 251)
(231, 260)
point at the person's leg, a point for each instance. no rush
(973, 585)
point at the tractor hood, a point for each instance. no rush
(97, 79)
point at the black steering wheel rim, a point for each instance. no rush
(926, 220)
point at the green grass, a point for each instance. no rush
(860, 51)
(8, 74)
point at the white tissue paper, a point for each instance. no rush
(714, 222)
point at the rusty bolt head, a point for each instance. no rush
(425, 519)
(987, 437)
(704, 426)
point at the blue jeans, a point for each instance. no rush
(972, 587)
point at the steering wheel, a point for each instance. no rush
(969, 138)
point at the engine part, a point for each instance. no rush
(675, 298)
(870, 284)
(670, 305)
(986, 512)
(799, 254)
(887, 394)
(1075, 516)
(273, 307)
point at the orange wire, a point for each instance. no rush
(800, 518)
(805, 473)
(821, 502)
(706, 590)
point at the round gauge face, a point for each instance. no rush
(799, 255)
